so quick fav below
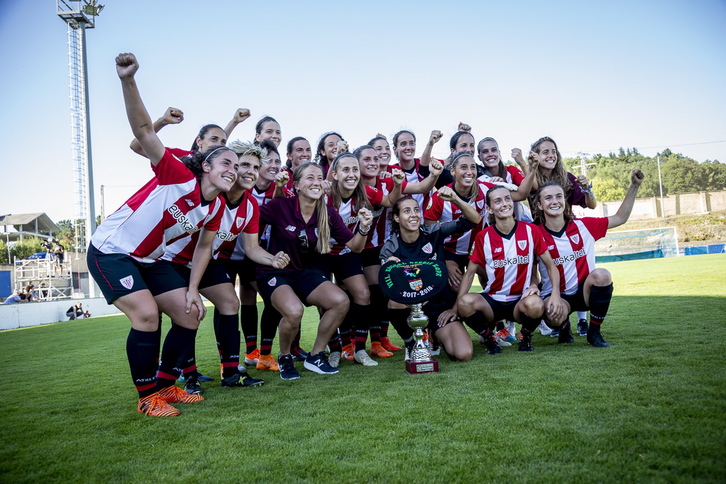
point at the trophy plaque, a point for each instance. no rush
(412, 283)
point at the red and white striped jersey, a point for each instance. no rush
(349, 213)
(263, 197)
(573, 251)
(243, 217)
(381, 227)
(508, 259)
(514, 175)
(166, 209)
(414, 176)
(440, 211)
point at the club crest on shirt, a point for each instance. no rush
(430, 204)
(522, 244)
(127, 282)
(480, 204)
(428, 248)
(240, 221)
(575, 238)
(272, 282)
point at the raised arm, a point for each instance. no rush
(586, 188)
(395, 194)
(527, 185)
(141, 126)
(433, 139)
(239, 116)
(171, 116)
(428, 183)
(358, 242)
(447, 194)
(519, 159)
(623, 213)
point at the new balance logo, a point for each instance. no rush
(189, 202)
(497, 250)
(291, 228)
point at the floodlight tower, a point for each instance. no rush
(80, 15)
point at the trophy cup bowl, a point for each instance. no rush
(412, 283)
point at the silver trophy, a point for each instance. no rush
(412, 283)
(419, 356)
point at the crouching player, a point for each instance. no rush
(571, 243)
(506, 249)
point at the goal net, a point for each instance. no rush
(637, 244)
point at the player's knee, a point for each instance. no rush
(466, 305)
(533, 306)
(601, 277)
(464, 354)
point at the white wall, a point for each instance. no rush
(21, 315)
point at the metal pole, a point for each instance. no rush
(91, 222)
(103, 204)
(660, 184)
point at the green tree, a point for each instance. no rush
(4, 253)
(27, 247)
(607, 189)
(681, 174)
(713, 175)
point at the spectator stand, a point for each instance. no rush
(52, 279)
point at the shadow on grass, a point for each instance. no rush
(649, 408)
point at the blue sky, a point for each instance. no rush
(596, 76)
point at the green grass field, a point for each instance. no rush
(651, 408)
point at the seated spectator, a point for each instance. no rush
(30, 293)
(16, 298)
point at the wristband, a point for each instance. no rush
(592, 195)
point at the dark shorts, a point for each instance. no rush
(343, 266)
(213, 275)
(462, 260)
(371, 257)
(303, 282)
(242, 268)
(576, 301)
(501, 310)
(119, 275)
(437, 305)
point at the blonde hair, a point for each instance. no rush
(242, 148)
(321, 209)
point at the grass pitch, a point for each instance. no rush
(651, 408)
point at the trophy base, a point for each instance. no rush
(420, 367)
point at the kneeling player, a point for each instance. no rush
(571, 243)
